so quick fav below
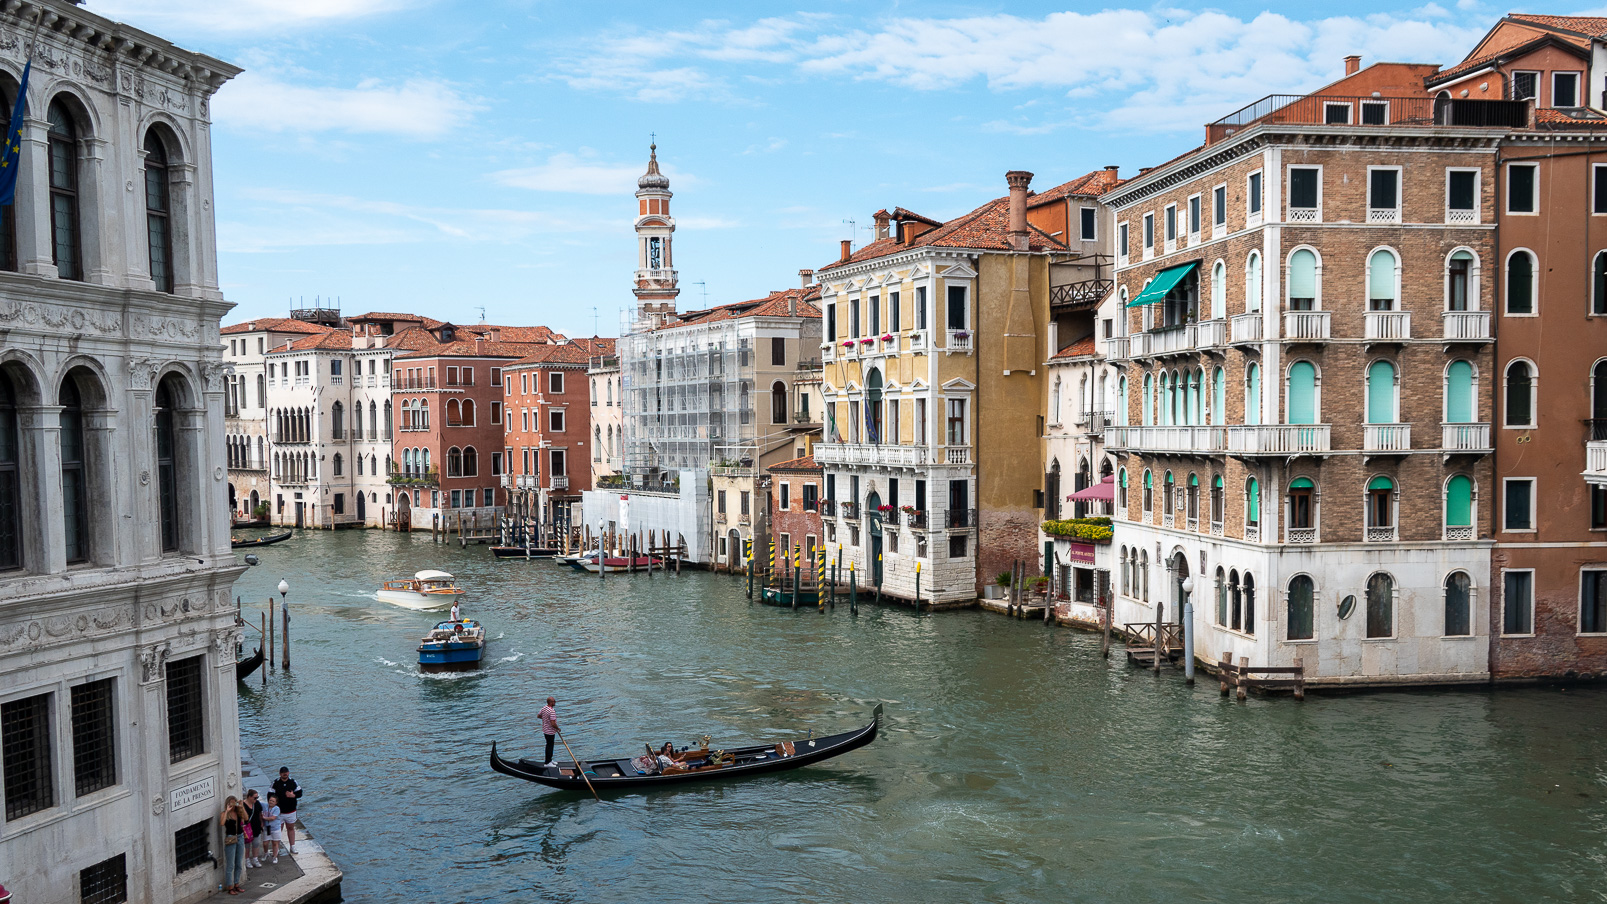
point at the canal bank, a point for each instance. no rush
(1015, 764)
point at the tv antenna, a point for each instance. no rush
(481, 309)
(705, 287)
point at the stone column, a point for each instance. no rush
(145, 541)
(183, 229)
(194, 477)
(41, 437)
(34, 252)
(104, 484)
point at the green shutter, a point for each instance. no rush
(1459, 502)
(1302, 483)
(1381, 393)
(1219, 397)
(1303, 274)
(1252, 411)
(1381, 275)
(1378, 483)
(1303, 393)
(1459, 393)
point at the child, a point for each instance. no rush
(275, 826)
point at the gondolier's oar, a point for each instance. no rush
(579, 767)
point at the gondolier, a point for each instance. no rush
(549, 726)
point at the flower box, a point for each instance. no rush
(866, 341)
(962, 334)
(888, 338)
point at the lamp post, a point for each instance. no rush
(284, 609)
(1188, 629)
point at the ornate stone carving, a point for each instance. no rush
(145, 478)
(106, 619)
(165, 328)
(142, 375)
(10, 634)
(58, 317)
(158, 804)
(233, 780)
(152, 663)
(58, 626)
(214, 373)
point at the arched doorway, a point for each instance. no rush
(1180, 571)
(234, 501)
(404, 513)
(733, 551)
(362, 508)
(873, 517)
(256, 500)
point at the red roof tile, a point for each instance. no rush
(783, 303)
(984, 229)
(334, 340)
(476, 348)
(1091, 185)
(568, 353)
(807, 463)
(276, 325)
(1082, 348)
(1589, 26)
(390, 317)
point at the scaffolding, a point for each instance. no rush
(688, 395)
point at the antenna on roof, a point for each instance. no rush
(853, 232)
(705, 286)
(594, 320)
(481, 309)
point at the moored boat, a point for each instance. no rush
(782, 596)
(429, 590)
(269, 540)
(619, 563)
(244, 668)
(526, 552)
(688, 765)
(452, 646)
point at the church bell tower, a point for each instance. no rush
(656, 287)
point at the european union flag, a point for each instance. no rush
(11, 153)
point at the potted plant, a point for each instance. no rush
(848, 343)
(962, 334)
(907, 509)
(866, 341)
(884, 508)
(887, 337)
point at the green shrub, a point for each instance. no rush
(1090, 530)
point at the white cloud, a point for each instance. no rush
(242, 15)
(583, 175)
(416, 108)
(284, 219)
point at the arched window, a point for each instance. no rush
(1219, 291)
(1235, 601)
(1303, 280)
(454, 414)
(1122, 488)
(1121, 409)
(262, 391)
(1197, 414)
(74, 483)
(1519, 395)
(1459, 393)
(1459, 508)
(1168, 500)
(158, 231)
(1149, 492)
(1302, 393)
(1380, 509)
(339, 464)
(1598, 401)
(1219, 397)
(1458, 281)
(1123, 560)
(1252, 282)
(778, 402)
(1143, 574)
(167, 462)
(359, 460)
(1380, 605)
(471, 462)
(1146, 414)
(1302, 605)
(387, 418)
(1221, 597)
(1252, 394)
(1381, 393)
(468, 412)
(1054, 402)
(1252, 503)
(454, 462)
(596, 443)
(1598, 284)
(1381, 266)
(1302, 504)
(1458, 604)
(373, 421)
(337, 421)
(1249, 603)
(1192, 498)
(64, 230)
(1163, 399)
(1520, 283)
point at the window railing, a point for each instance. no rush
(1211, 334)
(1458, 532)
(1465, 437)
(415, 383)
(960, 518)
(1252, 533)
(1388, 438)
(1305, 215)
(1305, 326)
(1596, 462)
(1300, 535)
(959, 340)
(1466, 326)
(1380, 534)
(460, 383)
(1389, 326)
(1279, 439)
(915, 518)
(1383, 214)
(1116, 348)
(1200, 439)
(957, 455)
(1459, 217)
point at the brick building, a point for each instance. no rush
(794, 522)
(548, 430)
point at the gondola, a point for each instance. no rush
(244, 667)
(521, 552)
(743, 762)
(260, 541)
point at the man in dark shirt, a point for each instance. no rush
(289, 797)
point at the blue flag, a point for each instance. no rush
(11, 154)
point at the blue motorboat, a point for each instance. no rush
(452, 646)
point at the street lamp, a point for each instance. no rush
(284, 611)
(284, 588)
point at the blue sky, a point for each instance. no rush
(440, 156)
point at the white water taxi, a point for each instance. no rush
(428, 591)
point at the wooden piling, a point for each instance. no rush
(1160, 609)
(1243, 688)
(271, 629)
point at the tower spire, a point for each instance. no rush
(656, 279)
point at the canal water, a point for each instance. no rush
(1014, 765)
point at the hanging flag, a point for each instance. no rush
(11, 154)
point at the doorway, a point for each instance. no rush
(873, 515)
(362, 508)
(1180, 571)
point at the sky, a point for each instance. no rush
(469, 158)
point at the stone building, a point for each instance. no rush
(117, 625)
(1304, 419)
(607, 429)
(245, 404)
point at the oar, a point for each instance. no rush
(580, 768)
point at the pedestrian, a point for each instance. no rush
(274, 822)
(289, 801)
(549, 727)
(257, 834)
(233, 819)
(457, 614)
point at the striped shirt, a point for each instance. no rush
(549, 720)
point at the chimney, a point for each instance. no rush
(805, 277)
(479, 345)
(848, 251)
(1016, 225)
(880, 217)
(792, 305)
(1113, 170)
(1352, 64)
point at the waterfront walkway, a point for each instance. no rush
(307, 877)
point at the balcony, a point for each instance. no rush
(1246, 327)
(850, 510)
(415, 383)
(1087, 293)
(1183, 440)
(1305, 215)
(915, 519)
(1384, 534)
(959, 340)
(1211, 334)
(460, 384)
(1305, 326)
(957, 455)
(1300, 535)
(1098, 422)
(1419, 112)
(1388, 326)
(1279, 439)
(918, 341)
(872, 454)
(1171, 340)
(560, 481)
(1465, 438)
(1595, 472)
(1383, 215)
(1466, 326)
(1116, 348)
(956, 519)
(1387, 438)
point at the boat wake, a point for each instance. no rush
(514, 658)
(385, 662)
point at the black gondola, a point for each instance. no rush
(744, 761)
(260, 541)
(520, 552)
(244, 667)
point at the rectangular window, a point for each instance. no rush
(1517, 603)
(555, 381)
(853, 319)
(1171, 223)
(1252, 202)
(1522, 182)
(778, 350)
(1461, 194)
(957, 312)
(560, 463)
(555, 418)
(1525, 85)
(1090, 219)
(496, 412)
(1598, 189)
(1336, 114)
(920, 422)
(192, 846)
(457, 498)
(186, 727)
(1219, 206)
(340, 504)
(104, 883)
(1122, 240)
(496, 376)
(893, 313)
(489, 497)
(786, 496)
(956, 422)
(1518, 509)
(468, 376)
(746, 500)
(1374, 113)
(958, 544)
(719, 501)
(1383, 189)
(811, 497)
(524, 384)
(25, 740)
(1565, 89)
(451, 376)
(1598, 508)
(831, 322)
(920, 307)
(1149, 232)
(875, 315)
(831, 489)
(1194, 218)
(1593, 602)
(94, 737)
(1303, 185)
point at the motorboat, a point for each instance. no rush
(619, 563)
(427, 591)
(452, 646)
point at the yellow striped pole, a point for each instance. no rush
(820, 580)
(770, 578)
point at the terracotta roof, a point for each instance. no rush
(1091, 185)
(1476, 63)
(390, 317)
(414, 338)
(334, 340)
(807, 463)
(1588, 26)
(514, 333)
(1574, 117)
(276, 325)
(983, 229)
(1082, 348)
(568, 353)
(597, 345)
(474, 348)
(776, 304)
(906, 216)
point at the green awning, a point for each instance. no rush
(1164, 281)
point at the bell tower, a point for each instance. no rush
(656, 287)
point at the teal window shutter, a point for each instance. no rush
(1302, 274)
(1303, 393)
(1459, 502)
(1381, 393)
(1219, 397)
(1459, 393)
(1252, 408)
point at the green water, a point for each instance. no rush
(1014, 765)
